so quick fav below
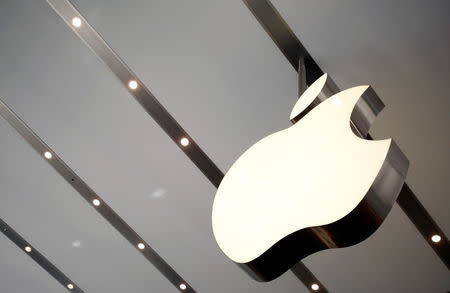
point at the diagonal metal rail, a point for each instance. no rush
(93, 199)
(39, 258)
(148, 101)
(141, 93)
(291, 47)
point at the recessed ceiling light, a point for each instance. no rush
(435, 238)
(27, 249)
(183, 286)
(76, 22)
(315, 287)
(133, 84)
(184, 141)
(141, 246)
(96, 202)
(70, 286)
(48, 155)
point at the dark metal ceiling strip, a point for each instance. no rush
(147, 100)
(89, 195)
(285, 39)
(142, 94)
(424, 223)
(38, 257)
(303, 273)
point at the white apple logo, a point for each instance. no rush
(312, 186)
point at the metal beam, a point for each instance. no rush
(283, 36)
(423, 221)
(144, 97)
(142, 94)
(39, 258)
(93, 198)
(289, 44)
(308, 278)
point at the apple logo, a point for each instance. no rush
(313, 186)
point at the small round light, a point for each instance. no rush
(48, 155)
(141, 246)
(183, 286)
(184, 141)
(76, 22)
(435, 238)
(315, 287)
(96, 202)
(27, 249)
(133, 84)
(70, 286)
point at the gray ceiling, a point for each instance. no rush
(218, 73)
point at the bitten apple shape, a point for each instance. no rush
(312, 186)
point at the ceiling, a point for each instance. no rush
(219, 74)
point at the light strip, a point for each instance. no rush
(39, 258)
(412, 207)
(308, 278)
(141, 93)
(290, 46)
(91, 197)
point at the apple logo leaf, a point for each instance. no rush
(308, 97)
